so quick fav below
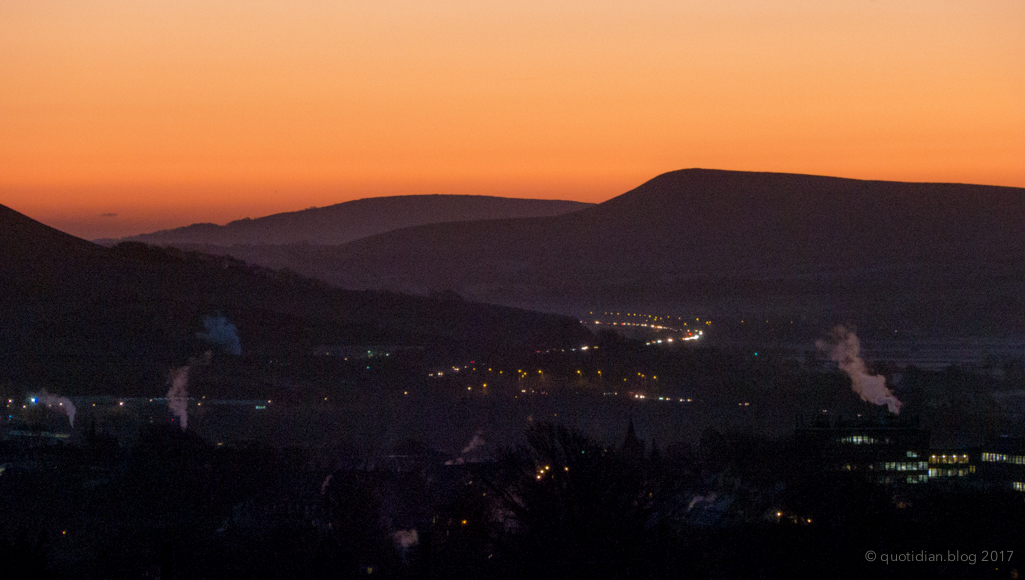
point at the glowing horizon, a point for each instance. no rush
(173, 114)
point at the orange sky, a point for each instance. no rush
(167, 113)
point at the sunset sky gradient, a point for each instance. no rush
(168, 113)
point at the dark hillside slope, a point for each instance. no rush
(114, 319)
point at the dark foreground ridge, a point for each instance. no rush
(83, 317)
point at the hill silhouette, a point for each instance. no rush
(344, 222)
(940, 256)
(95, 319)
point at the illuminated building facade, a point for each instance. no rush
(883, 449)
(1002, 463)
(952, 463)
(893, 450)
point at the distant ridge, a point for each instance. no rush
(724, 242)
(344, 222)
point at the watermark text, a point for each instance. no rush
(956, 556)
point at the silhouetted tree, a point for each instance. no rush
(572, 507)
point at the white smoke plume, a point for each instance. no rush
(406, 538)
(54, 401)
(178, 394)
(474, 443)
(698, 499)
(843, 348)
(221, 332)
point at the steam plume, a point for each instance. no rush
(178, 395)
(474, 443)
(843, 348)
(406, 538)
(62, 403)
(221, 332)
(701, 499)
